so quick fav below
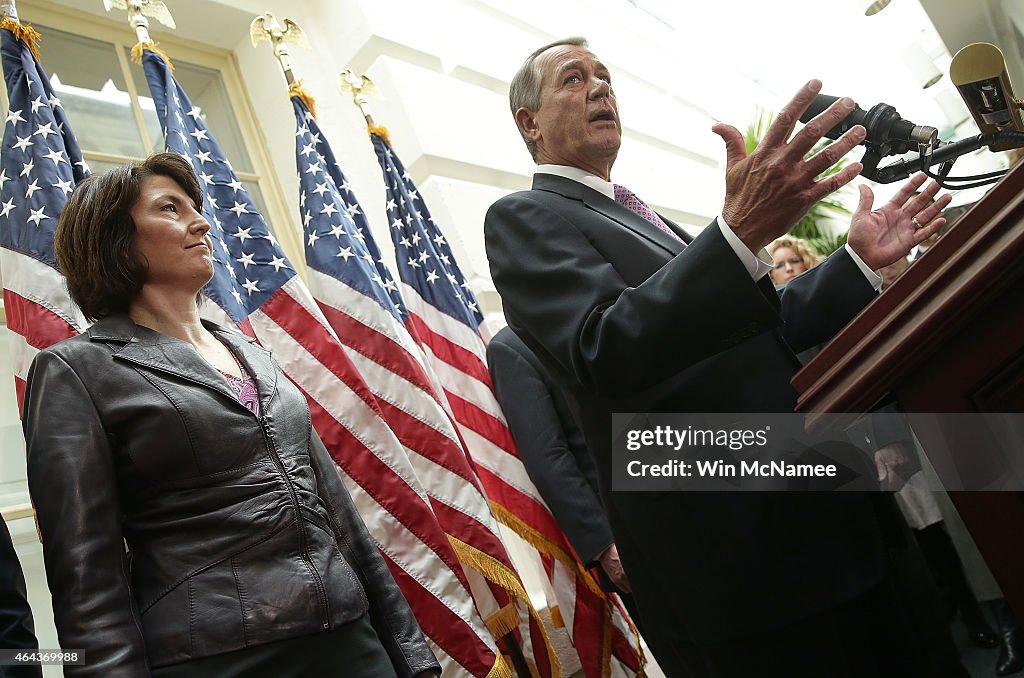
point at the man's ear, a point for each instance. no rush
(527, 122)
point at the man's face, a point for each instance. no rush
(578, 120)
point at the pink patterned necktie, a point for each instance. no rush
(628, 199)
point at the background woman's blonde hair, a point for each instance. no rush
(800, 246)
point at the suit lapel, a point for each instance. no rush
(602, 204)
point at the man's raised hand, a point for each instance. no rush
(882, 236)
(769, 190)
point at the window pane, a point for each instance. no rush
(205, 88)
(257, 198)
(87, 79)
(100, 166)
(261, 205)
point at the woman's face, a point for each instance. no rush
(788, 265)
(171, 236)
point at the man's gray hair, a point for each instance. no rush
(524, 92)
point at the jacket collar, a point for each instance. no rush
(151, 349)
(604, 205)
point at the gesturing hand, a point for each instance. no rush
(882, 236)
(768, 191)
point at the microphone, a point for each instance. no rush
(888, 133)
(979, 73)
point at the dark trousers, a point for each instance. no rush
(945, 564)
(895, 630)
(350, 651)
(16, 630)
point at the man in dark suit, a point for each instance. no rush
(554, 453)
(631, 314)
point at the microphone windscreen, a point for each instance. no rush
(820, 103)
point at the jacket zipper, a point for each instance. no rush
(320, 589)
(272, 449)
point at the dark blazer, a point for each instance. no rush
(550, 443)
(16, 629)
(629, 321)
(239, 529)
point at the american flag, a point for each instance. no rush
(446, 319)
(360, 300)
(256, 288)
(40, 165)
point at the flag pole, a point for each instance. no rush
(9, 8)
(359, 86)
(11, 21)
(267, 27)
(138, 10)
(139, 22)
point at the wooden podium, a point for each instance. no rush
(946, 337)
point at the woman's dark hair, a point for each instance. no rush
(95, 239)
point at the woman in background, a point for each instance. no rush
(792, 256)
(193, 523)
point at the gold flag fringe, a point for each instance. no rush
(503, 621)
(543, 544)
(296, 89)
(140, 47)
(493, 570)
(498, 573)
(381, 131)
(556, 617)
(26, 34)
(640, 656)
(500, 669)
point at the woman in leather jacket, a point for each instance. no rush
(193, 523)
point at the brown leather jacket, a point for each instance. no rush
(239, 529)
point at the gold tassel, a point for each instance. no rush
(26, 34)
(503, 621)
(296, 89)
(381, 131)
(140, 47)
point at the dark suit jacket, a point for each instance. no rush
(628, 321)
(16, 629)
(550, 443)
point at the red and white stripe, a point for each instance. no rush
(376, 467)
(393, 366)
(39, 311)
(457, 355)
